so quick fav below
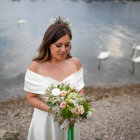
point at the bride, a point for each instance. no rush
(53, 65)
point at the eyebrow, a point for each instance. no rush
(61, 43)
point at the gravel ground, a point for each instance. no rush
(117, 115)
(116, 118)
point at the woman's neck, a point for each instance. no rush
(56, 61)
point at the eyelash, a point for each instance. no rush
(59, 45)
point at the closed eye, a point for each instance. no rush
(67, 45)
(60, 45)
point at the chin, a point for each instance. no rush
(62, 57)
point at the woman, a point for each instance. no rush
(53, 65)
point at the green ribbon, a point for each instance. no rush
(71, 132)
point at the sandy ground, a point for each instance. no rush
(117, 115)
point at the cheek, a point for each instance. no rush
(68, 49)
(53, 50)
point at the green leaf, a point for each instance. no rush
(66, 113)
(86, 106)
(61, 89)
(67, 87)
(58, 85)
(84, 115)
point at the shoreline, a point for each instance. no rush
(100, 92)
(97, 92)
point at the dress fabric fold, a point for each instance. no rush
(42, 125)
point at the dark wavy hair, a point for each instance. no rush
(52, 34)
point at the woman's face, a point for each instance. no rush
(60, 49)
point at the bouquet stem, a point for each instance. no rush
(71, 132)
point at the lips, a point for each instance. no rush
(62, 54)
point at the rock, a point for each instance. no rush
(9, 135)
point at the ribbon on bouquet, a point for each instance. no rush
(71, 132)
(65, 125)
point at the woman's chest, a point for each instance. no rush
(58, 73)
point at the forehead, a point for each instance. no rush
(63, 39)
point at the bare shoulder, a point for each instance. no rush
(77, 62)
(34, 66)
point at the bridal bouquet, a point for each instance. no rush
(68, 105)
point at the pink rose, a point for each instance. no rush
(63, 93)
(79, 110)
(63, 104)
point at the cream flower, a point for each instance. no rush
(56, 91)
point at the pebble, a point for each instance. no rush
(116, 116)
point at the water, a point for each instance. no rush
(114, 25)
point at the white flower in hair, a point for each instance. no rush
(69, 22)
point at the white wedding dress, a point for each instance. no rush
(42, 126)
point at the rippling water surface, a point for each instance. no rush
(112, 25)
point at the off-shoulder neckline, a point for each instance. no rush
(53, 78)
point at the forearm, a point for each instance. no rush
(37, 103)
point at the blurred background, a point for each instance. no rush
(111, 25)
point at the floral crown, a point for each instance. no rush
(60, 20)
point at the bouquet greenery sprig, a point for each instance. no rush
(67, 103)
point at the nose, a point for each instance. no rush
(63, 48)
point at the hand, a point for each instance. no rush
(50, 112)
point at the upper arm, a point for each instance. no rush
(78, 63)
(34, 66)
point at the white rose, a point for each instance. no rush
(56, 91)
